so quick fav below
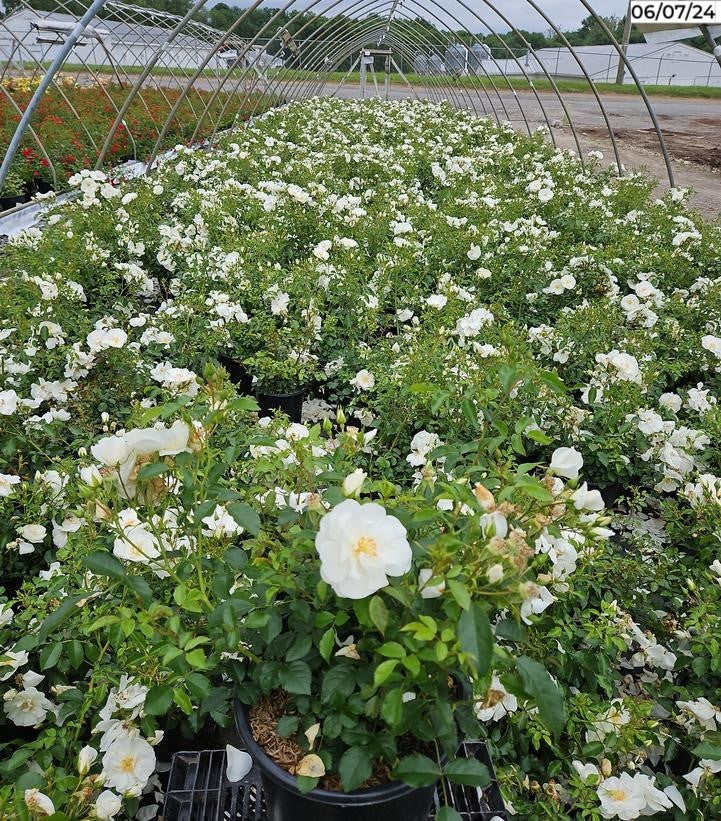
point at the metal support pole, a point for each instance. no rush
(715, 47)
(57, 62)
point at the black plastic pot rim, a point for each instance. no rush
(367, 795)
(273, 395)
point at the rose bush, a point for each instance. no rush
(506, 478)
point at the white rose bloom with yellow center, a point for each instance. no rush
(128, 764)
(359, 547)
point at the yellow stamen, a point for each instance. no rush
(366, 545)
(127, 764)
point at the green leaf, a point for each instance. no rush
(417, 771)
(476, 638)
(539, 436)
(392, 709)
(379, 614)
(295, 678)
(537, 682)
(58, 616)
(467, 771)
(383, 671)
(181, 698)
(18, 758)
(140, 587)
(305, 784)
(354, 768)
(708, 750)
(448, 814)
(459, 593)
(50, 655)
(236, 558)
(287, 725)
(75, 653)
(339, 681)
(391, 650)
(158, 700)
(103, 563)
(246, 517)
(196, 658)
(511, 630)
(593, 749)
(300, 647)
(152, 471)
(326, 644)
(188, 598)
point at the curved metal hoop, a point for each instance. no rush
(187, 80)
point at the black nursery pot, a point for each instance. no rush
(43, 187)
(6, 203)
(390, 802)
(289, 403)
(237, 373)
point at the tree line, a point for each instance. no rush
(309, 27)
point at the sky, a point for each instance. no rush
(567, 14)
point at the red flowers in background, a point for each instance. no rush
(72, 125)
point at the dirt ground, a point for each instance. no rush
(695, 154)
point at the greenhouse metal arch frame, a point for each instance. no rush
(345, 30)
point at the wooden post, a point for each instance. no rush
(621, 73)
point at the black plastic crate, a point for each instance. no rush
(199, 791)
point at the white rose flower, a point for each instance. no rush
(566, 462)
(585, 771)
(108, 805)
(128, 764)
(86, 759)
(621, 797)
(7, 481)
(110, 451)
(38, 803)
(433, 591)
(26, 708)
(537, 599)
(91, 476)
(363, 380)
(585, 499)
(359, 547)
(137, 544)
(13, 661)
(6, 615)
(712, 344)
(497, 704)
(321, 250)
(8, 402)
(703, 711)
(670, 401)
(545, 195)
(474, 253)
(353, 482)
(221, 524)
(115, 338)
(437, 301)
(495, 573)
(33, 533)
(421, 445)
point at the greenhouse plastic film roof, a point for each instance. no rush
(153, 79)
